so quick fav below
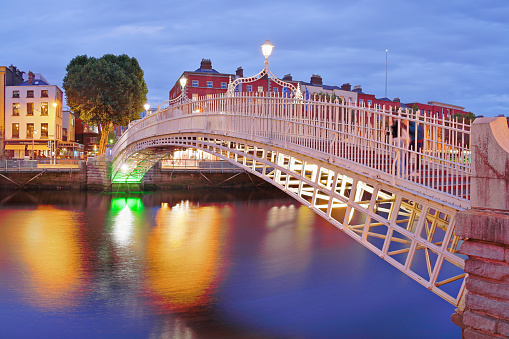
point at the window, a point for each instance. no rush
(15, 130)
(209, 84)
(369, 102)
(195, 96)
(223, 85)
(249, 88)
(195, 83)
(361, 102)
(15, 94)
(260, 89)
(30, 130)
(274, 89)
(15, 108)
(44, 108)
(30, 94)
(209, 96)
(44, 93)
(30, 108)
(44, 130)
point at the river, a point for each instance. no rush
(197, 264)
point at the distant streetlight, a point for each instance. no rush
(147, 106)
(33, 135)
(386, 73)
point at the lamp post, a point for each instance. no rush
(183, 83)
(33, 135)
(146, 106)
(267, 48)
(386, 73)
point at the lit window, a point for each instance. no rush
(30, 94)
(44, 93)
(30, 108)
(209, 84)
(209, 96)
(30, 130)
(15, 108)
(15, 130)
(44, 108)
(195, 83)
(274, 89)
(249, 88)
(223, 85)
(260, 89)
(44, 130)
(195, 96)
(15, 94)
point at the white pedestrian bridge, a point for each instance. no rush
(339, 160)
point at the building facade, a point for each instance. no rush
(9, 76)
(33, 117)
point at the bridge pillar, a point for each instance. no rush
(485, 228)
(98, 172)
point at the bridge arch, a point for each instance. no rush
(386, 213)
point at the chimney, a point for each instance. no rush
(396, 100)
(316, 79)
(346, 87)
(358, 88)
(31, 77)
(288, 77)
(239, 72)
(206, 64)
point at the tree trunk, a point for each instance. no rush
(104, 138)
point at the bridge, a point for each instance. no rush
(337, 158)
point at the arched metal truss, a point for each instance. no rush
(412, 233)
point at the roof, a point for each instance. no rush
(36, 82)
(211, 70)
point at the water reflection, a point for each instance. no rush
(50, 255)
(184, 257)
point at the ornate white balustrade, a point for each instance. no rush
(339, 160)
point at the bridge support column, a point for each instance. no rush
(485, 227)
(98, 173)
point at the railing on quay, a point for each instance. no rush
(344, 133)
(41, 165)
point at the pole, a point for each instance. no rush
(386, 73)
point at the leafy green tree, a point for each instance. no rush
(105, 91)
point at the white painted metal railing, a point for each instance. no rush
(356, 137)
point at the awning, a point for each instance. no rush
(38, 148)
(14, 147)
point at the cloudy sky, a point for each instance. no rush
(452, 51)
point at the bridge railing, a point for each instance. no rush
(358, 136)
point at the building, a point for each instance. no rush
(88, 137)
(316, 87)
(206, 82)
(9, 76)
(33, 118)
(438, 109)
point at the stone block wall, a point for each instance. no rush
(485, 228)
(98, 173)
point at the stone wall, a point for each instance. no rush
(485, 228)
(47, 180)
(98, 173)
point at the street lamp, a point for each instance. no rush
(147, 106)
(33, 135)
(266, 51)
(183, 83)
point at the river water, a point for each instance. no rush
(197, 264)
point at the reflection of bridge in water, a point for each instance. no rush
(339, 160)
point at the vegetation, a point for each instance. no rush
(105, 92)
(326, 97)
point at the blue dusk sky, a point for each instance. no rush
(454, 51)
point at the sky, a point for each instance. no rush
(451, 51)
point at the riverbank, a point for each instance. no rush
(155, 179)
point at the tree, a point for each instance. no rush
(105, 92)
